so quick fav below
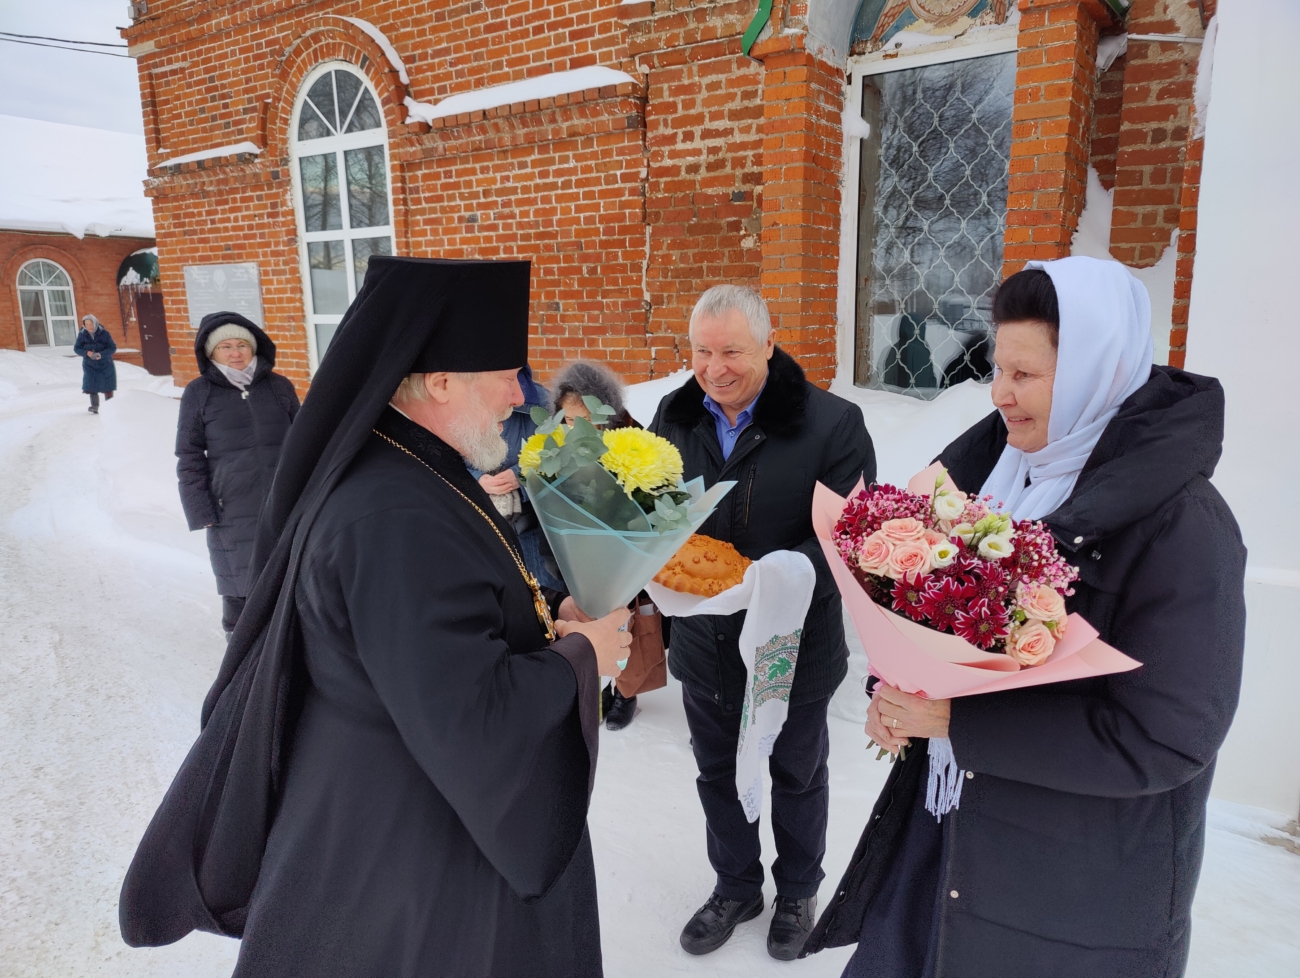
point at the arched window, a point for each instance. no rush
(341, 191)
(45, 297)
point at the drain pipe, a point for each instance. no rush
(755, 26)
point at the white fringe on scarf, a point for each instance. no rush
(943, 785)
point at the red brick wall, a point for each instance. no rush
(1106, 108)
(704, 164)
(92, 265)
(1156, 120)
(1051, 125)
(559, 182)
(803, 98)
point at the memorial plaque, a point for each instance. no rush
(223, 288)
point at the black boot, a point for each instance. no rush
(713, 923)
(606, 700)
(621, 712)
(791, 924)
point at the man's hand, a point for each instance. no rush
(570, 611)
(608, 636)
(499, 484)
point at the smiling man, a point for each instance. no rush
(749, 414)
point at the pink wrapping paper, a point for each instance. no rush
(939, 665)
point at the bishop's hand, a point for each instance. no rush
(609, 636)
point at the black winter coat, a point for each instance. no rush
(227, 446)
(97, 376)
(1078, 842)
(433, 815)
(801, 435)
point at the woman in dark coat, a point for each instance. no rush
(647, 665)
(96, 347)
(1077, 840)
(233, 418)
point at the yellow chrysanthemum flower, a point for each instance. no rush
(640, 459)
(530, 456)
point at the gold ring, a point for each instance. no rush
(895, 723)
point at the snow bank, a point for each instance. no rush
(540, 87)
(72, 179)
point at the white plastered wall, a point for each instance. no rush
(1243, 330)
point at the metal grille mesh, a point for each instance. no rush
(939, 215)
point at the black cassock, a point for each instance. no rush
(433, 816)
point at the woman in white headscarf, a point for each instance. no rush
(1078, 838)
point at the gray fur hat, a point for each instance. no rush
(582, 377)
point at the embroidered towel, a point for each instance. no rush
(775, 593)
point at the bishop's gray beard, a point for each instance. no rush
(478, 440)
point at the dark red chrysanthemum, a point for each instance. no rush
(982, 623)
(992, 583)
(908, 594)
(943, 599)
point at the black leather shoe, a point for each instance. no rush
(621, 711)
(791, 924)
(713, 923)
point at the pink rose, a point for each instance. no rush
(1030, 643)
(911, 558)
(1040, 602)
(873, 558)
(933, 538)
(902, 530)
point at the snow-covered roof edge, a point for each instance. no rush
(543, 86)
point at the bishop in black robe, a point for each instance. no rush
(394, 771)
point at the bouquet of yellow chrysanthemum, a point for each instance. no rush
(612, 503)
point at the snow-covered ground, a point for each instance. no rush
(109, 636)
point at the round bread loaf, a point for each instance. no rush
(704, 566)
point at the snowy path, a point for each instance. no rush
(109, 637)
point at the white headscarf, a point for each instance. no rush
(1103, 356)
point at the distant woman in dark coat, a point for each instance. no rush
(233, 418)
(96, 347)
(1075, 849)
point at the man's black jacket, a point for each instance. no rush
(801, 435)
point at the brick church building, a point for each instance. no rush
(873, 166)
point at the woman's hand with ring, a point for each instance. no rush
(881, 732)
(907, 715)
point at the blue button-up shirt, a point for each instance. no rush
(729, 434)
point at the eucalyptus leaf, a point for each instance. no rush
(539, 415)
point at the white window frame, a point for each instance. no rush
(45, 304)
(337, 145)
(998, 40)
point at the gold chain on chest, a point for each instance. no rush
(539, 603)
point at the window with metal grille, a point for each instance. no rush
(341, 185)
(933, 201)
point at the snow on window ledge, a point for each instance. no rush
(530, 89)
(233, 149)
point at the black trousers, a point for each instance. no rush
(231, 608)
(800, 799)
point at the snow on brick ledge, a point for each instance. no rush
(530, 89)
(216, 152)
(72, 179)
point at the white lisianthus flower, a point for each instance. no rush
(943, 554)
(964, 531)
(949, 505)
(996, 547)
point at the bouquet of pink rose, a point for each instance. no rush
(954, 564)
